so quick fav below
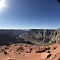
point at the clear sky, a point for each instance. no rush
(26, 14)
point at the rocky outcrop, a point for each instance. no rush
(45, 55)
(41, 35)
(41, 49)
(29, 52)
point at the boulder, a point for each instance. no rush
(29, 50)
(41, 49)
(53, 47)
(47, 51)
(45, 55)
(47, 47)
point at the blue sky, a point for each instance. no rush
(28, 14)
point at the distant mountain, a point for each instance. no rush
(41, 36)
(9, 36)
(37, 36)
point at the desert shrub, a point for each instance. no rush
(40, 44)
(20, 40)
(20, 48)
(33, 43)
(58, 41)
(27, 42)
(47, 44)
(4, 51)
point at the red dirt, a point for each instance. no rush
(28, 52)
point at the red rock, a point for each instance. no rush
(45, 55)
(41, 49)
(57, 58)
(9, 59)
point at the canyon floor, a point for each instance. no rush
(30, 52)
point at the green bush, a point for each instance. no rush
(4, 51)
(20, 48)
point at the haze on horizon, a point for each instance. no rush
(29, 14)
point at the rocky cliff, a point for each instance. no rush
(42, 35)
(36, 36)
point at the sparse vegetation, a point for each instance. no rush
(20, 48)
(47, 44)
(3, 51)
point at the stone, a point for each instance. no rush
(45, 55)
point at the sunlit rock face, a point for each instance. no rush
(41, 35)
